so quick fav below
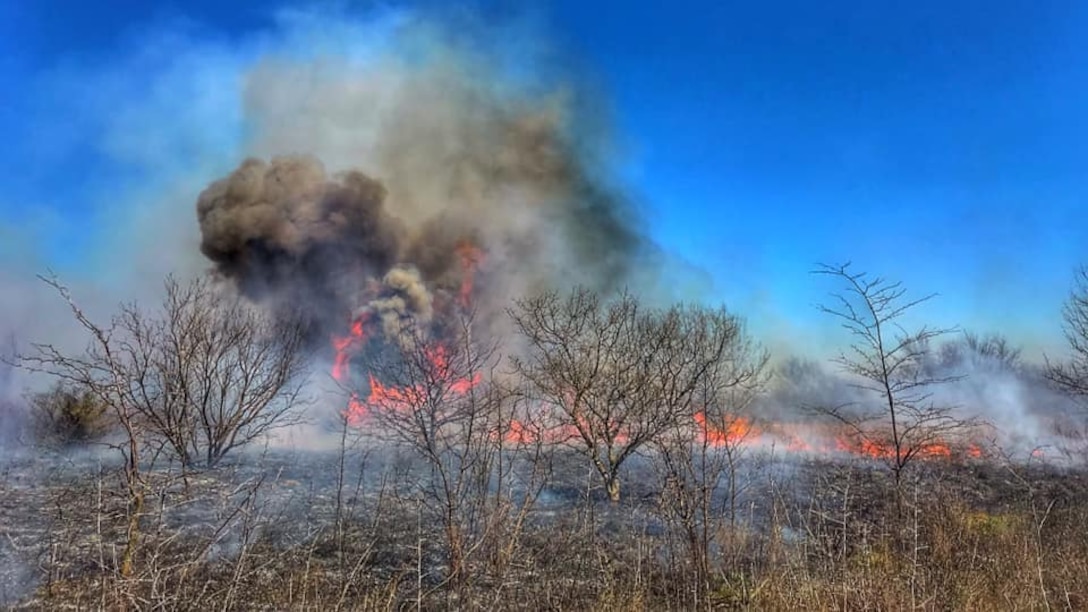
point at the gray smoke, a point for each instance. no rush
(406, 302)
(374, 179)
(1017, 408)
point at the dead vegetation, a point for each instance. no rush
(66, 416)
(282, 532)
(449, 489)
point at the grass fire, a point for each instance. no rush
(411, 308)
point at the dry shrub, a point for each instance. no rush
(66, 415)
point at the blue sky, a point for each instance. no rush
(944, 144)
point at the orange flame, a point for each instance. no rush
(518, 433)
(528, 432)
(885, 450)
(812, 438)
(735, 429)
(471, 258)
(345, 346)
(402, 398)
(732, 430)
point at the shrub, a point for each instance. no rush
(65, 416)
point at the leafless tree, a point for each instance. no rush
(617, 374)
(521, 469)
(993, 346)
(224, 373)
(699, 454)
(992, 351)
(207, 374)
(1071, 376)
(434, 393)
(110, 370)
(202, 377)
(889, 363)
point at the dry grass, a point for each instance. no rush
(830, 537)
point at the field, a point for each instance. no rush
(359, 529)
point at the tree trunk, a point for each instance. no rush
(133, 538)
(613, 486)
(135, 499)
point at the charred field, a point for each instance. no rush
(356, 529)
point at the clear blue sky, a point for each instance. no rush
(943, 143)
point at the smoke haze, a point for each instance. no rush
(338, 164)
(377, 172)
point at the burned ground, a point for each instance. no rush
(285, 529)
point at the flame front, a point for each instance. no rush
(733, 430)
(345, 347)
(391, 397)
(718, 432)
(811, 439)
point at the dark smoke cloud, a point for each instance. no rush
(287, 230)
(432, 156)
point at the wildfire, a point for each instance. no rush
(400, 398)
(405, 398)
(518, 432)
(718, 432)
(812, 439)
(471, 257)
(734, 430)
(345, 346)
(883, 450)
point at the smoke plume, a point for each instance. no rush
(390, 185)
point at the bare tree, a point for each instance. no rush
(992, 351)
(434, 393)
(994, 347)
(618, 375)
(889, 363)
(700, 453)
(1071, 376)
(110, 370)
(206, 375)
(224, 372)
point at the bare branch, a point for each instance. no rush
(889, 362)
